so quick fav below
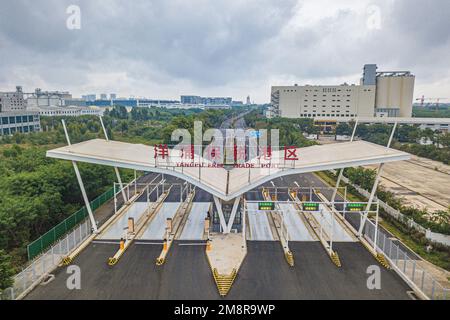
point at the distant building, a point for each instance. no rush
(23, 122)
(47, 98)
(248, 100)
(68, 111)
(133, 103)
(12, 101)
(394, 93)
(103, 96)
(14, 116)
(435, 127)
(89, 97)
(381, 94)
(207, 101)
(191, 99)
(113, 96)
(77, 102)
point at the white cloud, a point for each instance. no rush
(222, 47)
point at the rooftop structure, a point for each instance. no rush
(226, 184)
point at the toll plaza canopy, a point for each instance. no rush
(220, 182)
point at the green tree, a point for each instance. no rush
(6, 271)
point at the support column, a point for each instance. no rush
(116, 170)
(80, 182)
(233, 214)
(375, 185)
(223, 224)
(243, 217)
(341, 173)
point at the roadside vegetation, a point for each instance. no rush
(432, 112)
(406, 138)
(290, 130)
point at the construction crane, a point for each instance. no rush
(423, 99)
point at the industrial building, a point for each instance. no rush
(14, 116)
(379, 94)
(23, 122)
(12, 101)
(47, 98)
(69, 111)
(223, 101)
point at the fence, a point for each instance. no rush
(396, 214)
(50, 237)
(412, 269)
(47, 262)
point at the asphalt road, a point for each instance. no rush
(186, 275)
(265, 274)
(311, 180)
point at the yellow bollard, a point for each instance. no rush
(122, 244)
(165, 245)
(208, 246)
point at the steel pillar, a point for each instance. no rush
(341, 173)
(375, 185)
(223, 224)
(80, 182)
(233, 214)
(116, 170)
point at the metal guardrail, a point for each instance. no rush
(47, 262)
(410, 268)
(39, 245)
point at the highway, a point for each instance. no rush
(187, 275)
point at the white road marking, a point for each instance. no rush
(157, 228)
(193, 229)
(295, 225)
(339, 234)
(116, 231)
(259, 223)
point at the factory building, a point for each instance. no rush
(380, 94)
(14, 116)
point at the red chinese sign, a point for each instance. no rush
(161, 151)
(290, 153)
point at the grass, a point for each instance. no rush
(438, 258)
(332, 182)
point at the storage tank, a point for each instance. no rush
(395, 92)
(407, 96)
(382, 92)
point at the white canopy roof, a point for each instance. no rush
(227, 184)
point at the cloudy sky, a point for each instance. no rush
(165, 48)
